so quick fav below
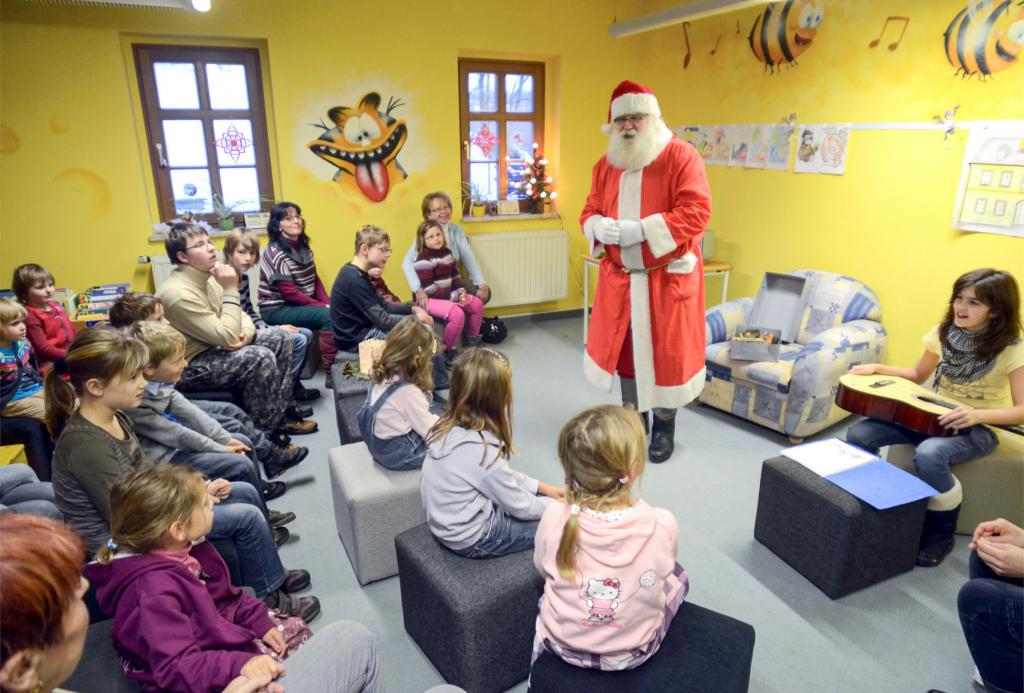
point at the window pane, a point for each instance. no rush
(518, 93)
(185, 142)
(191, 187)
(486, 176)
(241, 185)
(483, 92)
(233, 140)
(483, 140)
(520, 139)
(176, 85)
(227, 87)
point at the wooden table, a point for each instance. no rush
(712, 268)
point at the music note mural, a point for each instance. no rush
(896, 44)
(985, 37)
(785, 30)
(715, 49)
(686, 35)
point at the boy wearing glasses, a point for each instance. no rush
(223, 347)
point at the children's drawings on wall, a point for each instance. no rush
(821, 149)
(757, 154)
(779, 143)
(985, 37)
(723, 145)
(740, 140)
(991, 195)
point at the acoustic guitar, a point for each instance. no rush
(899, 400)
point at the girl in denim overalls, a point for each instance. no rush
(396, 417)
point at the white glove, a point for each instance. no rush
(630, 232)
(606, 230)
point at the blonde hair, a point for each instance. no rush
(479, 399)
(602, 452)
(407, 355)
(145, 502)
(101, 354)
(11, 311)
(162, 341)
(241, 238)
(421, 232)
(371, 236)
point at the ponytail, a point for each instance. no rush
(565, 559)
(95, 354)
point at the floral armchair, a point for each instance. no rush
(795, 395)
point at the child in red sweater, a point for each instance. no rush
(48, 327)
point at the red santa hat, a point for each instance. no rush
(629, 97)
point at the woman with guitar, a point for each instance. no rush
(975, 358)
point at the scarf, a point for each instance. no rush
(959, 363)
(298, 251)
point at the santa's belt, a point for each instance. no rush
(644, 270)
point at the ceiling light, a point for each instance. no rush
(677, 15)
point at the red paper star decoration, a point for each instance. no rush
(233, 143)
(485, 140)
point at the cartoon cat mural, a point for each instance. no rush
(364, 145)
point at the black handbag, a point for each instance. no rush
(493, 330)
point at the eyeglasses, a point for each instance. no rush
(446, 208)
(385, 251)
(631, 118)
(295, 218)
(203, 244)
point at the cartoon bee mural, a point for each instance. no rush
(364, 145)
(985, 37)
(785, 30)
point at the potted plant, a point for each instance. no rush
(472, 193)
(225, 213)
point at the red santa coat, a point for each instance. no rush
(664, 305)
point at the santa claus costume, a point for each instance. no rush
(648, 206)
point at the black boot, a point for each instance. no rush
(662, 439)
(937, 536)
(645, 416)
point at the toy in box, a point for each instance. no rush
(774, 319)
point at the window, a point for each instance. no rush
(206, 128)
(502, 115)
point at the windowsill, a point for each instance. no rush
(217, 233)
(510, 217)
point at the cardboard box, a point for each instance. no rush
(774, 319)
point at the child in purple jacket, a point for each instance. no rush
(179, 624)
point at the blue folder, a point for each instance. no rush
(882, 485)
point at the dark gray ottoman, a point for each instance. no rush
(349, 395)
(833, 539)
(702, 651)
(474, 619)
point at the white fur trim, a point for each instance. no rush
(588, 231)
(659, 238)
(595, 374)
(949, 500)
(606, 128)
(635, 103)
(679, 395)
(643, 340)
(630, 183)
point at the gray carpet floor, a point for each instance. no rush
(901, 635)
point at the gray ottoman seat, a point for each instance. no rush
(371, 506)
(349, 395)
(474, 619)
(832, 538)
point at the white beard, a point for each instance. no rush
(641, 149)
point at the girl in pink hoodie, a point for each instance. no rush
(611, 581)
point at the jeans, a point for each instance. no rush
(224, 465)
(239, 519)
(300, 347)
(992, 616)
(505, 535)
(21, 491)
(934, 455)
(399, 453)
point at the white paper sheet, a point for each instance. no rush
(830, 456)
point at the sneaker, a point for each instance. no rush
(305, 394)
(298, 411)
(306, 608)
(276, 518)
(273, 489)
(295, 581)
(279, 439)
(297, 428)
(281, 534)
(282, 459)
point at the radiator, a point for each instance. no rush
(162, 267)
(523, 266)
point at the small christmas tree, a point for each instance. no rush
(535, 183)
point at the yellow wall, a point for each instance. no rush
(887, 221)
(74, 173)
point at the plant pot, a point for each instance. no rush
(227, 224)
(478, 210)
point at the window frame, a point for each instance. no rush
(501, 67)
(145, 56)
